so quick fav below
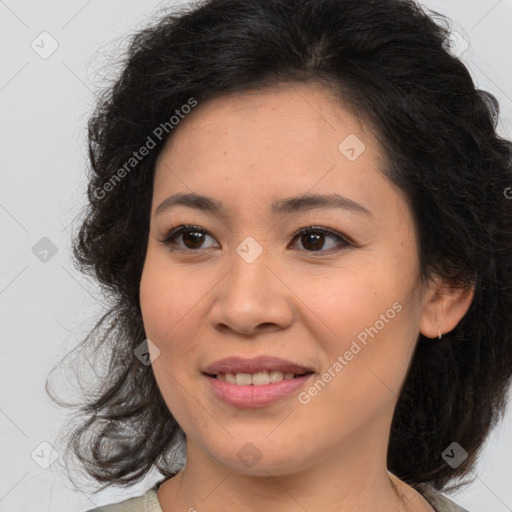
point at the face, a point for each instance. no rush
(326, 283)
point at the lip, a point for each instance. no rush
(251, 396)
(253, 365)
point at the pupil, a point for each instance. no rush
(317, 241)
(194, 238)
(310, 241)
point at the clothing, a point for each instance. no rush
(439, 502)
(148, 502)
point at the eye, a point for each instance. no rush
(313, 239)
(192, 237)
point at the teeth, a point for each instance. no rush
(230, 377)
(256, 379)
(275, 376)
(260, 378)
(242, 379)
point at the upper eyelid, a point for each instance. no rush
(180, 229)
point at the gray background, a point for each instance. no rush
(46, 305)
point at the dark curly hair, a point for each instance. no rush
(389, 61)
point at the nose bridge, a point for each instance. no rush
(250, 295)
(250, 275)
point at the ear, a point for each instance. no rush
(445, 305)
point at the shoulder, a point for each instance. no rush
(148, 502)
(439, 501)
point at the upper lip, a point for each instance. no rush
(254, 365)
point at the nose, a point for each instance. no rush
(252, 298)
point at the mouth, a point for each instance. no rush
(257, 382)
(258, 378)
(260, 365)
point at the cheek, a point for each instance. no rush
(167, 306)
(349, 299)
(169, 297)
(368, 319)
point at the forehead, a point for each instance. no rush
(305, 116)
(282, 141)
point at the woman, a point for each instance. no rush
(298, 209)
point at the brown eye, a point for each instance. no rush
(316, 238)
(192, 237)
(313, 241)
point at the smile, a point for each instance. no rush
(252, 390)
(256, 379)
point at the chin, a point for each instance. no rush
(260, 458)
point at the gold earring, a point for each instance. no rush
(439, 334)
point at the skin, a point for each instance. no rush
(203, 304)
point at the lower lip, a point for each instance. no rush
(250, 396)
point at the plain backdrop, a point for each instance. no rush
(53, 60)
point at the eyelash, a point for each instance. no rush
(179, 230)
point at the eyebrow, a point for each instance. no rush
(288, 205)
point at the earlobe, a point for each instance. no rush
(445, 307)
